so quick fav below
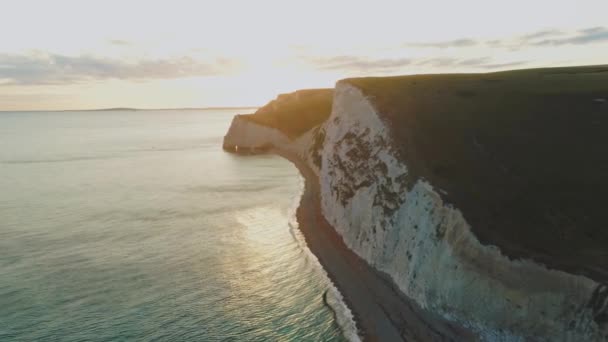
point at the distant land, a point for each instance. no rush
(133, 109)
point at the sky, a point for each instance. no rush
(66, 54)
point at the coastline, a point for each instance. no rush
(432, 214)
(381, 311)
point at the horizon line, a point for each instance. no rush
(130, 109)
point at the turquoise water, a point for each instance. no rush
(136, 226)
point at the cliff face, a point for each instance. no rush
(522, 154)
(404, 228)
(246, 136)
(407, 208)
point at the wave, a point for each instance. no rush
(344, 317)
(332, 296)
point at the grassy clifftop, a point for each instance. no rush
(295, 113)
(524, 155)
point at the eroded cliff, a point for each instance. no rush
(467, 190)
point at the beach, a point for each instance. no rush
(381, 312)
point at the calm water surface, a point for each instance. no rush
(120, 226)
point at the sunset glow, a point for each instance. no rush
(148, 54)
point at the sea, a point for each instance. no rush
(137, 226)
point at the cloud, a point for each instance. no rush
(357, 63)
(585, 36)
(458, 43)
(553, 38)
(438, 62)
(536, 39)
(120, 42)
(45, 68)
(363, 65)
(503, 65)
(541, 34)
(549, 37)
(481, 62)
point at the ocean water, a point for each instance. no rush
(136, 226)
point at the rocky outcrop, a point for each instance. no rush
(245, 136)
(441, 225)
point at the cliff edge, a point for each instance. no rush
(480, 195)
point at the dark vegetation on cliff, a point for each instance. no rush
(523, 154)
(317, 146)
(295, 113)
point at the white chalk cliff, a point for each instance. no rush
(405, 229)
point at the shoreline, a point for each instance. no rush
(380, 310)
